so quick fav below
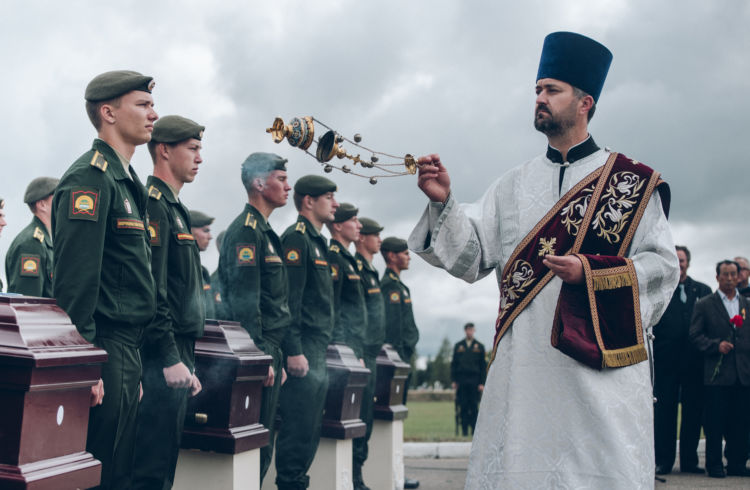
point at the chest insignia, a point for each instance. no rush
(179, 222)
(461, 348)
(335, 272)
(270, 248)
(127, 206)
(153, 233)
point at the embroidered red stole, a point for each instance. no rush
(599, 322)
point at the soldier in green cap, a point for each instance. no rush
(169, 344)
(311, 305)
(102, 258)
(368, 245)
(201, 228)
(253, 272)
(28, 264)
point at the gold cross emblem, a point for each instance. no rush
(547, 246)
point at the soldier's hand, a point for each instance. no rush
(725, 347)
(269, 379)
(433, 179)
(567, 267)
(480, 388)
(140, 391)
(297, 366)
(178, 376)
(195, 386)
(362, 361)
(283, 375)
(97, 393)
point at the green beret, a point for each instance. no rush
(369, 226)
(345, 212)
(113, 84)
(173, 129)
(393, 244)
(265, 161)
(199, 220)
(40, 188)
(314, 185)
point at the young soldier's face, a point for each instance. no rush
(276, 188)
(324, 207)
(184, 158)
(135, 117)
(350, 229)
(371, 242)
(202, 236)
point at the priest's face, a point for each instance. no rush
(556, 107)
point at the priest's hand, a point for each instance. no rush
(433, 178)
(97, 393)
(269, 379)
(195, 386)
(178, 376)
(297, 366)
(567, 267)
(725, 347)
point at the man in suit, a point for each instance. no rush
(678, 375)
(719, 329)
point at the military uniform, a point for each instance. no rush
(349, 302)
(251, 266)
(468, 368)
(400, 330)
(220, 311)
(170, 338)
(102, 279)
(207, 294)
(302, 400)
(29, 261)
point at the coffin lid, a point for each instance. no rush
(228, 340)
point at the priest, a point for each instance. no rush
(585, 262)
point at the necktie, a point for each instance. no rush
(683, 294)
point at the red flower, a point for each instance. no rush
(736, 320)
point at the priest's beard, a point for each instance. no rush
(554, 125)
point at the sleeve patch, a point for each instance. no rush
(273, 259)
(335, 272)
(292, 256)
(30, 265)
(395, 297)
(153, 233)
(84, 204)
(245, 254)
(130, 224)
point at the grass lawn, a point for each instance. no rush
(431, 421)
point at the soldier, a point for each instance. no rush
(28, 264)
(468, 368)
(400, 330)
(201, 229)
(368, 245)
(311, 305)
(168, 350)
(348, 298)
(251, 267)
(102, 257)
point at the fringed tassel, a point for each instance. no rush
(624, 357)
(614, 281)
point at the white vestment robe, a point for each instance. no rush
(546, 421)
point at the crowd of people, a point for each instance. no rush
(123, 260)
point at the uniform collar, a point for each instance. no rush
(163, 187)
(261, 220)
(575, 153)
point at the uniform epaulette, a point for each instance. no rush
(154, 192)
(99, 161)
(251, 221)
(334, 248)
(300, 227)
(393, 276)
(360, 265)
(39, 234)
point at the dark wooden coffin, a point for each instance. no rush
(46, 373)
(346, 381)
(389, 385)
(224, 416)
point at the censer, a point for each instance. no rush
(300, 133)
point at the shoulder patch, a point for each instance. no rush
(245, 254)
(292, 255)
(251, 221)
(84, 204)
(39, 234)
(335, 272)
(300, 227)
(334, 248)
(154, 192)
(395, 297)
(30, 265)
(360, 265)
(393, 276)
(153, 233)
(99, 161)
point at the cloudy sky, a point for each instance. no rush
(456, 78)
